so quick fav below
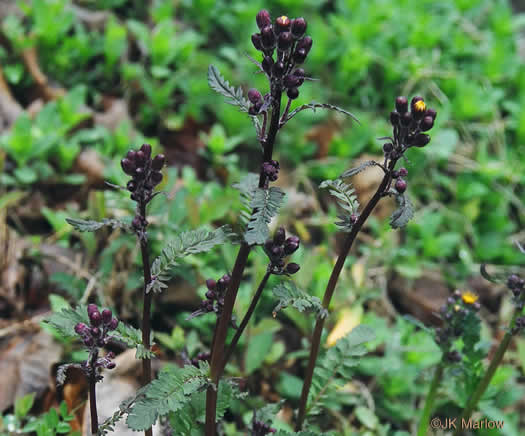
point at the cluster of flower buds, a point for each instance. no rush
(145, 173)
(454, 313)
(401, 184)
(214, 301)
(288, 37)
(277, 249)
(260, 428)
(516, 284)
(409, 125)
(101, 323)
(271, 170)
(95, 336)
(205, 356)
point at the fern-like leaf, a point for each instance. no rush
(335, 367)
(265, 204)
(132, 337)
(108, 426)
(93, 226)
(190, 242)
(404, 212)
(356, 170)
(313, 106)
(66, 320)
(170, 392)
(247, 187)
(233, 95)
(289, 295)
(346, 199)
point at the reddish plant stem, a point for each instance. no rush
(330, 288)
(146, 312)
(221, 329)
(92, 392)
(246, 319)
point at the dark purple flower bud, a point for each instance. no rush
(209, 306)
(388, 147)
(156, 177)
(401, 104)
(95, 318)
(81, 328)
(353, 218)
(292, 268)
(394, 118)
(401, 186)
(89, 341)
(92, 308)
(292, 93)
(131, 186)
(291, 81)
(263, 19)
(254, 96)
(421, 139)
(267, 38)
(290, 247)
(211, 284)
(299, 55)
(139, 173)
(131, 155)
(267, 64)
(95, 331)
(305, 43)
(277, 252)
(141, 158)
(403, 172)
(431, 113)
(418, 107)
(146, 149)
(298, 27)
(513, 281)
(278, 69)
(285, 41)
(111, 365)
(268, 246)
(127, 166)
(282, 24)
(279, 236)
(113, 324)
(106, 316)
(395, 174)
(256, 41)
(210, 295)
(158, 162)
(226, 278)
(406, 119)
(426, 124)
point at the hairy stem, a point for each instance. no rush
(221, 329)
(429, 400)
(146, 312)
(92, 392)
(330, 288)
(485, 381)
(245, 320)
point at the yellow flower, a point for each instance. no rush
(420, 106)
(469, 297)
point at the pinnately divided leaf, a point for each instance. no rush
(335, 367)
(247, 187)
(313, 106)
(346, 199)
(233, 95)
(404, 212)
(356, 170)
(289, 295)
(190, 242)
(170, 392)
(66, 320)
(265, 204)
(93, 226)
(132, 337)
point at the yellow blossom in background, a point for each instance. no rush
(469, 297)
